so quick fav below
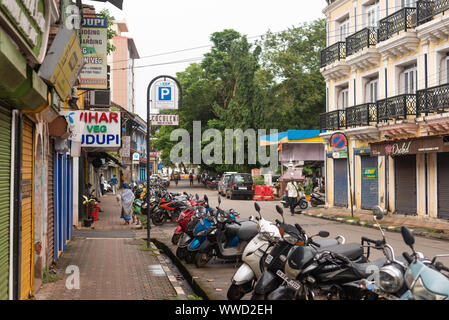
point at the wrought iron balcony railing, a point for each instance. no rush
(333, 53)
(426, 9)
(435, 99)
(401, 20)
(334, 120)
(361, 115)
(364, 38)
(395, 108)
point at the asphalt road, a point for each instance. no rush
(429, 247)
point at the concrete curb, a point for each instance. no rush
(198, 287)
(373, 226)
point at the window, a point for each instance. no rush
(343, 101)
(344, 29)
(447, 70)
(409, 3)
(373, 92)
(372, 13)
(409, 78)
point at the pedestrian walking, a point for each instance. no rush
(127, 203)
(191, 179)
(292, 193)
(176, 179)
(102, 181)
(114, 181)
(198, 176)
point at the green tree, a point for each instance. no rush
(111, 32)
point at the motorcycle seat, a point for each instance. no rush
(350, 250)
(366, 269)
(247, 231)
(327, 242)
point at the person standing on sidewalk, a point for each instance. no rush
(292, 195)
(114, 181)
(127, 203)
(191, 178)
(176, 179)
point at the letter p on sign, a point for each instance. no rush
(165, 93)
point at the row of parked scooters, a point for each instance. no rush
(282, 262)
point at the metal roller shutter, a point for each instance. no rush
(5, 177)
(370, 185)
(26, 279)
(405, 184)
(340, 182)
(443, 185)
(50, 205)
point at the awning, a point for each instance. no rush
(301, 152)
(292, 136)
(291, 175)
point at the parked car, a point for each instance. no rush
(223, 182)
(240, 184)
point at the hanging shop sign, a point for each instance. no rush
(94, 38)
(95, 128)
(165, 94)
(63, 63)
(126, 147)
(28, 23)
(164, 120)
(408, 147)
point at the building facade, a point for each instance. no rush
(386, 67)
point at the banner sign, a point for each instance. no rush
(165, 94)
(164, 120)
(406, 147)
(96, 129)
(369, 173)
(94, 38)
(126, 148)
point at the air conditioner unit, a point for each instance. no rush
(100, 98)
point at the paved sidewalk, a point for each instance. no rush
(423, 226)
(113, 263)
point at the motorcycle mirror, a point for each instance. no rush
(324, 234)
(197, 196)
(219, 200)
(257, 207)
(378, 213)
(206, 198)
(280, 210)
(408, 237)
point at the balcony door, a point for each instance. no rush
(343, 99)
(372, 14)
(409, 3)
(409, 80)
(373, 90)
(344, 29)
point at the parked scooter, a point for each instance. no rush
(255, 252)
(220, 236)
(185, 217)
(317, 198)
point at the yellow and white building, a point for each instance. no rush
(386, 67)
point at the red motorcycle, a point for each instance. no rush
(184, 219)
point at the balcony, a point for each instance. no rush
(426, 9)
(396, 108)
(335, 52)
(364, 38)
(361, 115)
(401, 20)
(433, 100)
(334, 120)
(361, 52)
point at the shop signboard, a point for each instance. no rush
(95, 128)
(408, 147)
(94, 37)
(340, 155)
(369, 173)
(164, 119)
(28, 23)
(126, 148)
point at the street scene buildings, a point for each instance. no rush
(90, 191)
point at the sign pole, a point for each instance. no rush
(346, 142)
(149, 146)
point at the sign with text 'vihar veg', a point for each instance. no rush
(95, 129)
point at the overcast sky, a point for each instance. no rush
(163, 26)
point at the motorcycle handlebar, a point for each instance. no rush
(407, 257)
(299, 228)
(377, 243)
(278, 222)
(315, 244)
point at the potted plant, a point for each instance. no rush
(90, 204)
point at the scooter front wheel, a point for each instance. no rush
(202, 258)
(190, 256)
(181, 253)
(303, 205)
(158, 218)
(235, 292)
(176, 237)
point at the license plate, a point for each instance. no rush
(243, 188)
(289, 282)
(268, 259)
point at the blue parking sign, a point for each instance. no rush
(165, 93)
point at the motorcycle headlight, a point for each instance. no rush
(391, 279)
(220, 218)
(420, 292)
(290, 239)
(268, 236)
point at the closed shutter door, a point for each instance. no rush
(443, 185)
(27, 209)
(370, 183)
(340, 182)
(5, 177)
(51, 205)
(405, 184)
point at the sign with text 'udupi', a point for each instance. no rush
(96, 129)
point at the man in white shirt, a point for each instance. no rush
(292, 193)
